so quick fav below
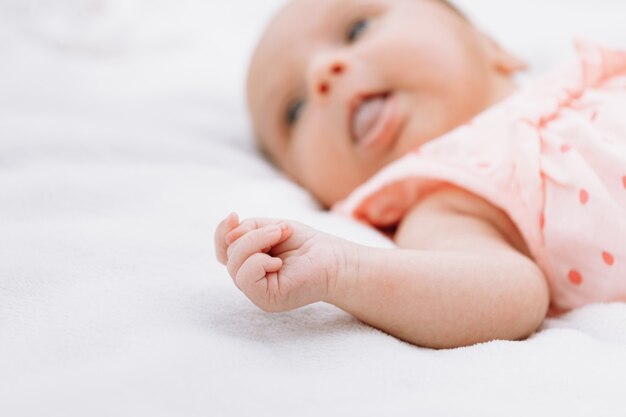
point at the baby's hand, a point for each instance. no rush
(279, 265)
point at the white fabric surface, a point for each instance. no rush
(123, 141)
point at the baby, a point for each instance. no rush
(506, 204)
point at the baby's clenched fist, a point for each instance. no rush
(279, 265)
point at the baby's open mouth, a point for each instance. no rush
(373, 120)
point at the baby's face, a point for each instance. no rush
(337, 89)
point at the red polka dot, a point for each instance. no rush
(575, 277)
(584, 196)
(608, 258)
(565, 148)
(576, 94)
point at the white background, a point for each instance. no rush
(124, 140)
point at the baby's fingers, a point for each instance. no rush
(248, 225)
(225, 226)
(258, 240)
(255, 275)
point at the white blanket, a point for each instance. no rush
(124, 140)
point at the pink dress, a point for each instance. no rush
(553, 157)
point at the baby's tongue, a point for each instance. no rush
(368, 114)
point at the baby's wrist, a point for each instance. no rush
(343, 277)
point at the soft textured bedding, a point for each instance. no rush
(123, 141)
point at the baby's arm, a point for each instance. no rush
(458, 281)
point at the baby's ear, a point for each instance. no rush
(503, 61)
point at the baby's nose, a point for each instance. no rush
(325, 79)
(337, 68)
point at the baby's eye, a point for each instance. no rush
(293, 111)
(356, 29)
